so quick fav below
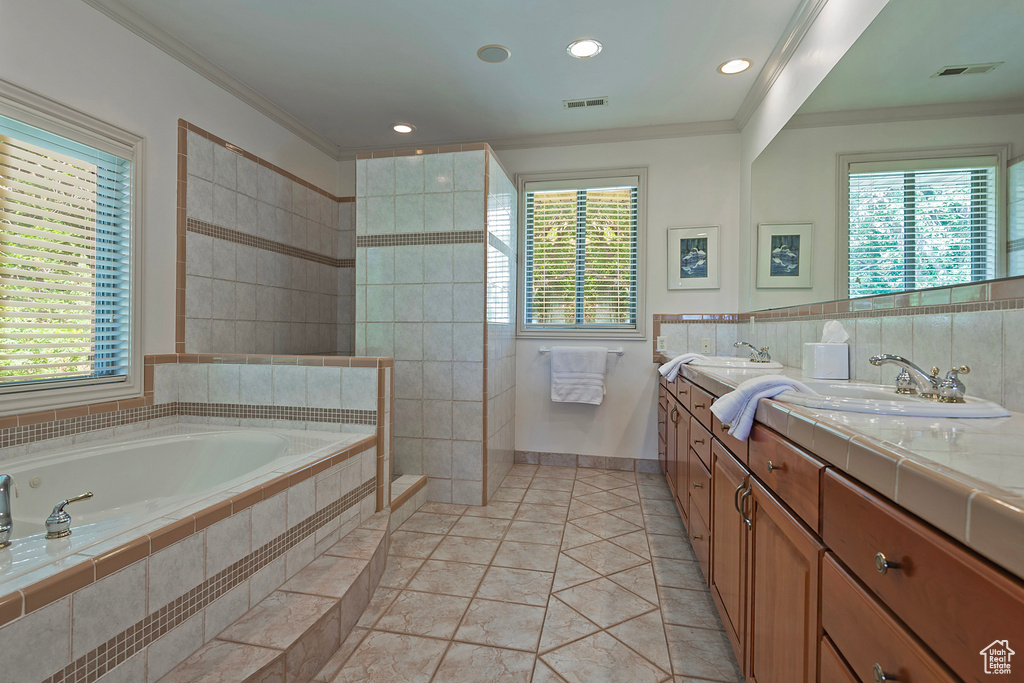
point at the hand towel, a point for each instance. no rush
(671, 369)
(737, 408)
(577, 374)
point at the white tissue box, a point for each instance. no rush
(827, 361)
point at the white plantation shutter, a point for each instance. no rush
(64, 261)
(915, 225)
(581, 255)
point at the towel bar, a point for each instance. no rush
(617, 352)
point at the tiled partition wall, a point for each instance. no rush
(1015, 204)
(979, 325)
(260, 254)
(421, 234)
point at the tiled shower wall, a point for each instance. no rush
(421, 234)
(346, 344)
(1015, 204)
(264, 255)
(500, 329)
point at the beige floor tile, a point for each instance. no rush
(378, 605)
(639, 580)
(413, 544)
(480, 527)
(678, 574)
(423, 614)
(605, 525)
(516, 482)
(605, 501)
(574, 537)
(516, 585)
(646, 635)
(549, 484)
(392, 658)
(571, 573)
(689, 608)
(701, 653)
(429, 523)
(632, 514)
(496, 509)
(508, 494)
(465, 663)
(327, 575)
(549, 514)
(671, 546)
(521, 469)
(607, 481)
(556, 472)
(578, 509)
(542, 673)
(635, 542)
(527, 556)
(542, 497)
(443, 508)
(652, 506)
(605, 603)
(627, 492)
(660, 524)
(449, 578)
(337, 661)
(502, 624)
(535, 532)
(582, 488)
(602, 658)
(652, 492)
(464, 549)
(604, 557)
(399, 570)
(563, 624)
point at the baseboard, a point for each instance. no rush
(602, 462)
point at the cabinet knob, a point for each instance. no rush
(883, 565)
(726, 427)
(880, 675)
(699, 405)
(698, 485)
(772, 467)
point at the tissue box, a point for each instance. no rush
(827, 361)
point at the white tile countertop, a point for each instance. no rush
(963, 476)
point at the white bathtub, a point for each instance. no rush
(140, 484)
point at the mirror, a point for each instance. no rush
(910, 152)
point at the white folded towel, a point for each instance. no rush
(577, 374)
(737, 408)
(671, 369)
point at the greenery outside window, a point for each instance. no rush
(581, 255)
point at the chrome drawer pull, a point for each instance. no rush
(698, 485)
(883, 566)
(743, 500)
(674, 416)
(879, 675)
(772, 467)
(736, 496)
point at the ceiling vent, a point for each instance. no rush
(585, 103)
(966, 69)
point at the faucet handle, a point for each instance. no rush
(960, 370)
(935, 371)
(952, 390)
(58, 524)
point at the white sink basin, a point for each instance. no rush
(883, 400)
(735, 363)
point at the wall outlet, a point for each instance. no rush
(662, 343)
(705, 345)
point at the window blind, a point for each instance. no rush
(581, 257)
(914, 228)
(64, 261)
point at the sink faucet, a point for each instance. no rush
(6, 523)
(756, 355)
(912, 379)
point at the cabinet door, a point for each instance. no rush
(670, 443)
(784, 584)
(663, 402)
(728, 541)
(682, 471)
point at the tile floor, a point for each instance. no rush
(568, 575)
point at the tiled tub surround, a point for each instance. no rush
(965, 477)
(140, 603)
(422, 296)
(261, 255)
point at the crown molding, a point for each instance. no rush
(797, 28)
(147, 30)
(917, 112)
(583, 137)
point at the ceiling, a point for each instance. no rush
(351, 69)
(892, 62)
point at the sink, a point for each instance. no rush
(734, 362)
(880, 399)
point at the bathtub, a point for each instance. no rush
(139, 483)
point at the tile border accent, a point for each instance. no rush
(406, 239)
(219, 232)
(268, 412)
(157, 623)
(405, 496)
(601, 462)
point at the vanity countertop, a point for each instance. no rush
(963, 476)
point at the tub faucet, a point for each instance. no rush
(58, 524)
(912, 379)
(756, 355)
(6, 523)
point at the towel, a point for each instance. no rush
(671, 369)
(577, 374)
(737, 408)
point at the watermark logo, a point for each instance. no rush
(997, 657)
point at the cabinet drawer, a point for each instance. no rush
(700, 441)
(792, 475)
(699, 486)
(721, 432)
(700, 405)
(951, 598)
(833, 668)
(682, 391)
(869, 636)
(700, 538)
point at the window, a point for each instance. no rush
(581, 247)
(915, 224)
(66, 246)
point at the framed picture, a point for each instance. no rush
(693, 258)
(784, 255)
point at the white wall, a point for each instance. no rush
(95, 65)
(794, 180)
(691, 181)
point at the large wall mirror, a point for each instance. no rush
(907, 160)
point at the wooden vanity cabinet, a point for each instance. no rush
(729, 545)
(663, 404)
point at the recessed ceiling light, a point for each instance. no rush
(404, 128)
(581, 49)
(734, 66)
(494, 54)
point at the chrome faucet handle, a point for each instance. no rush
(951, 389)
(58, 524)
(6, 522)
(763, 356)
(905, 384)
